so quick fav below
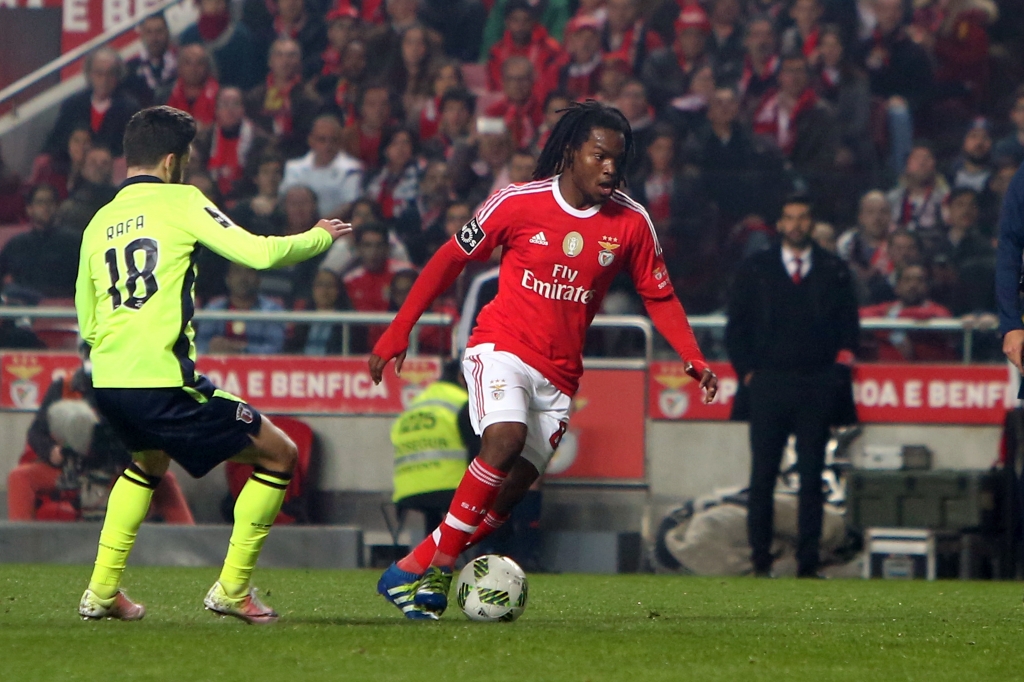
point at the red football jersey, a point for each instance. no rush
(556, 267)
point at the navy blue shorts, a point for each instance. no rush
(198, 426)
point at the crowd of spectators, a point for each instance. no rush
(903, 121)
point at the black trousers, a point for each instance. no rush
(784, 403)
(433, 506)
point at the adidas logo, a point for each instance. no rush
(539, 239)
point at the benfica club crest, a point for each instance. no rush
(24, 390)
(607, 253)
(498, 389)
(672, 400)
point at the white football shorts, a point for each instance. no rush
(503, 388)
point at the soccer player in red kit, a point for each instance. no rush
(564, 236)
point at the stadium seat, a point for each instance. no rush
(296, 501)
(57, 334)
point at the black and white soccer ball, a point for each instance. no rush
(492, 588)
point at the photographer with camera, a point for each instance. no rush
(77, 459)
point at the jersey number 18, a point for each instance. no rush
(150, 249)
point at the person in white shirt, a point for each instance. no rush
(335, 177)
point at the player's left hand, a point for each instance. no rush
(709, 382)
(377, 365)
(336, 228)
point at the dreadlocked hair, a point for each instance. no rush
(573, 129)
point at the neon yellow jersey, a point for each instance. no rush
(136, 278)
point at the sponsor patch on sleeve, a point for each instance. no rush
(469, 236)
(221, 219)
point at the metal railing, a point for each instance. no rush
(966, 327)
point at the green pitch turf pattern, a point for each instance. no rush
(618, 628)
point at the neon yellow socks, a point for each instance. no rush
(126, 508)
(255, 510)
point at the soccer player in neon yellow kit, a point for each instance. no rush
(134, 299)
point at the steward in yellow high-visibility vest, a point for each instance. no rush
(430, 454)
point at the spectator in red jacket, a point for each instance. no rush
(455, 125)
(363, 133)
(368, 283)
(63, 170)
(520, 110)
(306, 28)
(446, 74)
(432, 340)
(726, 40)
(280, 105)
(912, 303)
(227, 147)
(761, 62)
(805, 33)
(342, 28)
(195, 91)
(524, 37)
(555, 105)
(668, 71)
(957, 37)
(626, 35)
(580, 76)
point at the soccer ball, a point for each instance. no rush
(492, 588)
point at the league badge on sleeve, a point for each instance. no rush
(221, 219)
(607, 253)
(469, 236)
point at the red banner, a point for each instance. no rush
(884, 393)
(606, 431)
(274, 384)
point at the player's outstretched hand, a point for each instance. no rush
(377, 365)
(709, 382)
(337, 228)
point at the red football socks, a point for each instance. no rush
(491, 523)
(473, 497)
(420, 557)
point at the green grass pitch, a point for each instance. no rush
(621, 628)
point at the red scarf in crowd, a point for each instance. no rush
(769, 70)
(331, 57)
(628, 48)
(811, 43)
(277, 104)
(766, 120)
(227, 156)
(542, 51)
(344, 97)
(203, 107)
(211, 26)
(97, 114)
(430, 118)
(292, 31)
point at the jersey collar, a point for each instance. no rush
(138, 179)
(575, 212)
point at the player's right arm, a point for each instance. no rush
(474, 241)
(211, 228)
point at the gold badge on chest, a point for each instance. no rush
(572, 245)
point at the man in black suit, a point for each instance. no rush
(101, 107)
(792, 327)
